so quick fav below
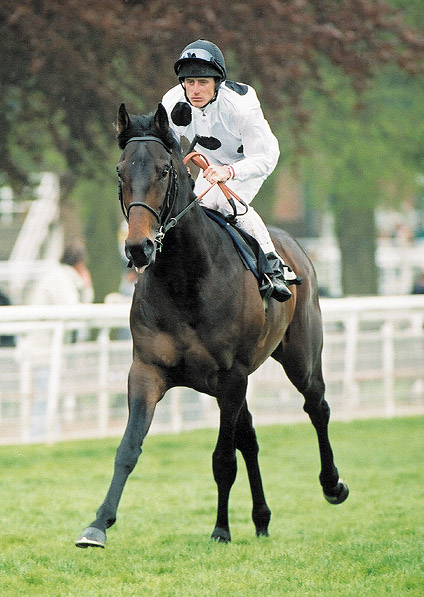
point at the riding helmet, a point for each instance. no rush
(201, 58)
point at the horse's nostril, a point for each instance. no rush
(142, 253)
(127, 252)
(148, 247)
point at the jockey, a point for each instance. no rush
(225, 118)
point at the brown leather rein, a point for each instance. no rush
(201, 161)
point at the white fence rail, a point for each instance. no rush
(65, 376)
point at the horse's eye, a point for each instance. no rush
(164, 172)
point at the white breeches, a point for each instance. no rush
(251, 222)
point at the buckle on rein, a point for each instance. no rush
(161, 233)
(158, 239)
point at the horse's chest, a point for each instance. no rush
(180, 347)
(189, 357)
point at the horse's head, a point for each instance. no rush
(147, 181)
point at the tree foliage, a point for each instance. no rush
(357, 161)
(67, 64)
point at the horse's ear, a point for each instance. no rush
(123, 119)
(161, 119)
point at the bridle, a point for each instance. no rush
(163, 217)
(170, 192)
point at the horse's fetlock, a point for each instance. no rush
(261, 515)
(329, 482)
(110, 521)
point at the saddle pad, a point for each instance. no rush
(247, 247)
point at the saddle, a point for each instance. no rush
(248, 249)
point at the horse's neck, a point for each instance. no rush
(190, 240)
(191, 252)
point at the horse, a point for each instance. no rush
(198, 320)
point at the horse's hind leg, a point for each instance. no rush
(301, 360)
(334, 489)
(247, 443)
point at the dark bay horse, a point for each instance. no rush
(198, 320)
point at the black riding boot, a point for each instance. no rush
(276, 274)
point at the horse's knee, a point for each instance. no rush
(317, 408)
(247, 442)
(127, 457)
(224, 467)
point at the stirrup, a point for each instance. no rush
(297, 280)
(269, 289)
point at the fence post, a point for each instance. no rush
(388, 368)
(103, 394)
(56, 362)
(176, 412)
(25, 395)
(351, 347)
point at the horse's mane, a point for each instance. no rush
(141, 126)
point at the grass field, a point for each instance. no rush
(373, 544)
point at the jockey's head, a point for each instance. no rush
(201, 61)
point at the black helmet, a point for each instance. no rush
(201, 59)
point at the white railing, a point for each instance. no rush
(65, 377)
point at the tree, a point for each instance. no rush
(359, 160)
(67, 65)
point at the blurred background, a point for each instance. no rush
(342, 86)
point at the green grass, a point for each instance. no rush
(370, 545)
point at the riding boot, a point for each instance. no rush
(275, 273)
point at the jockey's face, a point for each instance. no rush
(199, 90)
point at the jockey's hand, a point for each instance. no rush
(215, 173)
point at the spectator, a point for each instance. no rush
(69, 283)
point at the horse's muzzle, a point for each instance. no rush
(142, 254)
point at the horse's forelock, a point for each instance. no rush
(142, 126)
(138, 127)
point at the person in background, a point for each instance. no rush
(69, 282)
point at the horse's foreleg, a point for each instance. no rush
(145, 389)
(247, 443)
(224, 461)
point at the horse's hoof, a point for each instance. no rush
(221, 535)
(341, 493)
(91, 537)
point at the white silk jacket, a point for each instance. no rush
(234, 125)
